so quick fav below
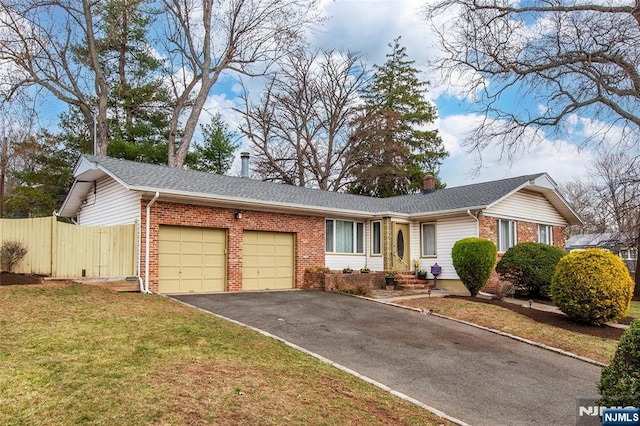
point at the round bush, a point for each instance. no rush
(530, 267)
(592, 286)
(473, 260)
(620, 381)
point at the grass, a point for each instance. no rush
(503, 319)
(634, 310)
(73, 354)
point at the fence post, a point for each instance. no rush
(54, 246)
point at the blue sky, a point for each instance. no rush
(368, 26)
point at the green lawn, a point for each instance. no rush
(634, 310)
(506, 320)
(73, 354)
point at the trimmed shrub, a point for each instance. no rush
(530, 267)
(592, 286)
(11, 253)
(620, 381)
(473, 260)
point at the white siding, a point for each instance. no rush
(353, 261)
(448, 231)
(111, 204)
(528, 206)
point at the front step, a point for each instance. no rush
(409, 281)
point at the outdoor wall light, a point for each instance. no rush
(237, 214)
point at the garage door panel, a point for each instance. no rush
(283, 261)
(192, 259)
(268, 260)
(213, 248)
(192, 247)
(283, 272)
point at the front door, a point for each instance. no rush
(401, 257)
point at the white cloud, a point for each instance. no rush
(562, 160)
(368, 26)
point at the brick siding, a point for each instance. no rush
(526, 232)
(308, 235)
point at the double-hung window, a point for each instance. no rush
(545, 234)
(506, 234)
(344, 236)
(428, 231)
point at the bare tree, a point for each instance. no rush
(610, 201)
(560, 57)
(58, 45)
(40, 42)
(584, 198)
(206, 38)
(302, 126)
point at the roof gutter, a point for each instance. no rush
(146, 242)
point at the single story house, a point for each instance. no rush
(201, 232)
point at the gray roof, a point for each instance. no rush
(607, 240)
(152, 177)
(460, 197)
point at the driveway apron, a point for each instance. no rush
(474, 375)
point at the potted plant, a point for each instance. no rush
(416, 265)
(390, 281)
(347, 270)
(422, 274)
(365, 270)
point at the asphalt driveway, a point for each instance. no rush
(470, 374)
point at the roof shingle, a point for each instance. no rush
(152, 177)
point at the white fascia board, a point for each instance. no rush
(84, 172)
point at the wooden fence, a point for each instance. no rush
(63, 250)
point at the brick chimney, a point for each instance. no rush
(428, 183)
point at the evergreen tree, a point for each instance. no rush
(215, 154)
(397, 149)
(44, 177)
(138, 100)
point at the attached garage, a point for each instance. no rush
(268, 260)
(192, 260)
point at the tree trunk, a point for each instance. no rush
(636, 290)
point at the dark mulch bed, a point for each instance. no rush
(552, 318)
(7, 278)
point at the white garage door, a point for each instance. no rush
(268, 260)
(192, 260)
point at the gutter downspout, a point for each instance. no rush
(146, 242)
(475, 216)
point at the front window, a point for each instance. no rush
(343, 236)
(376, 237)
(506, 234)
(545, 234)
(428, 239)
